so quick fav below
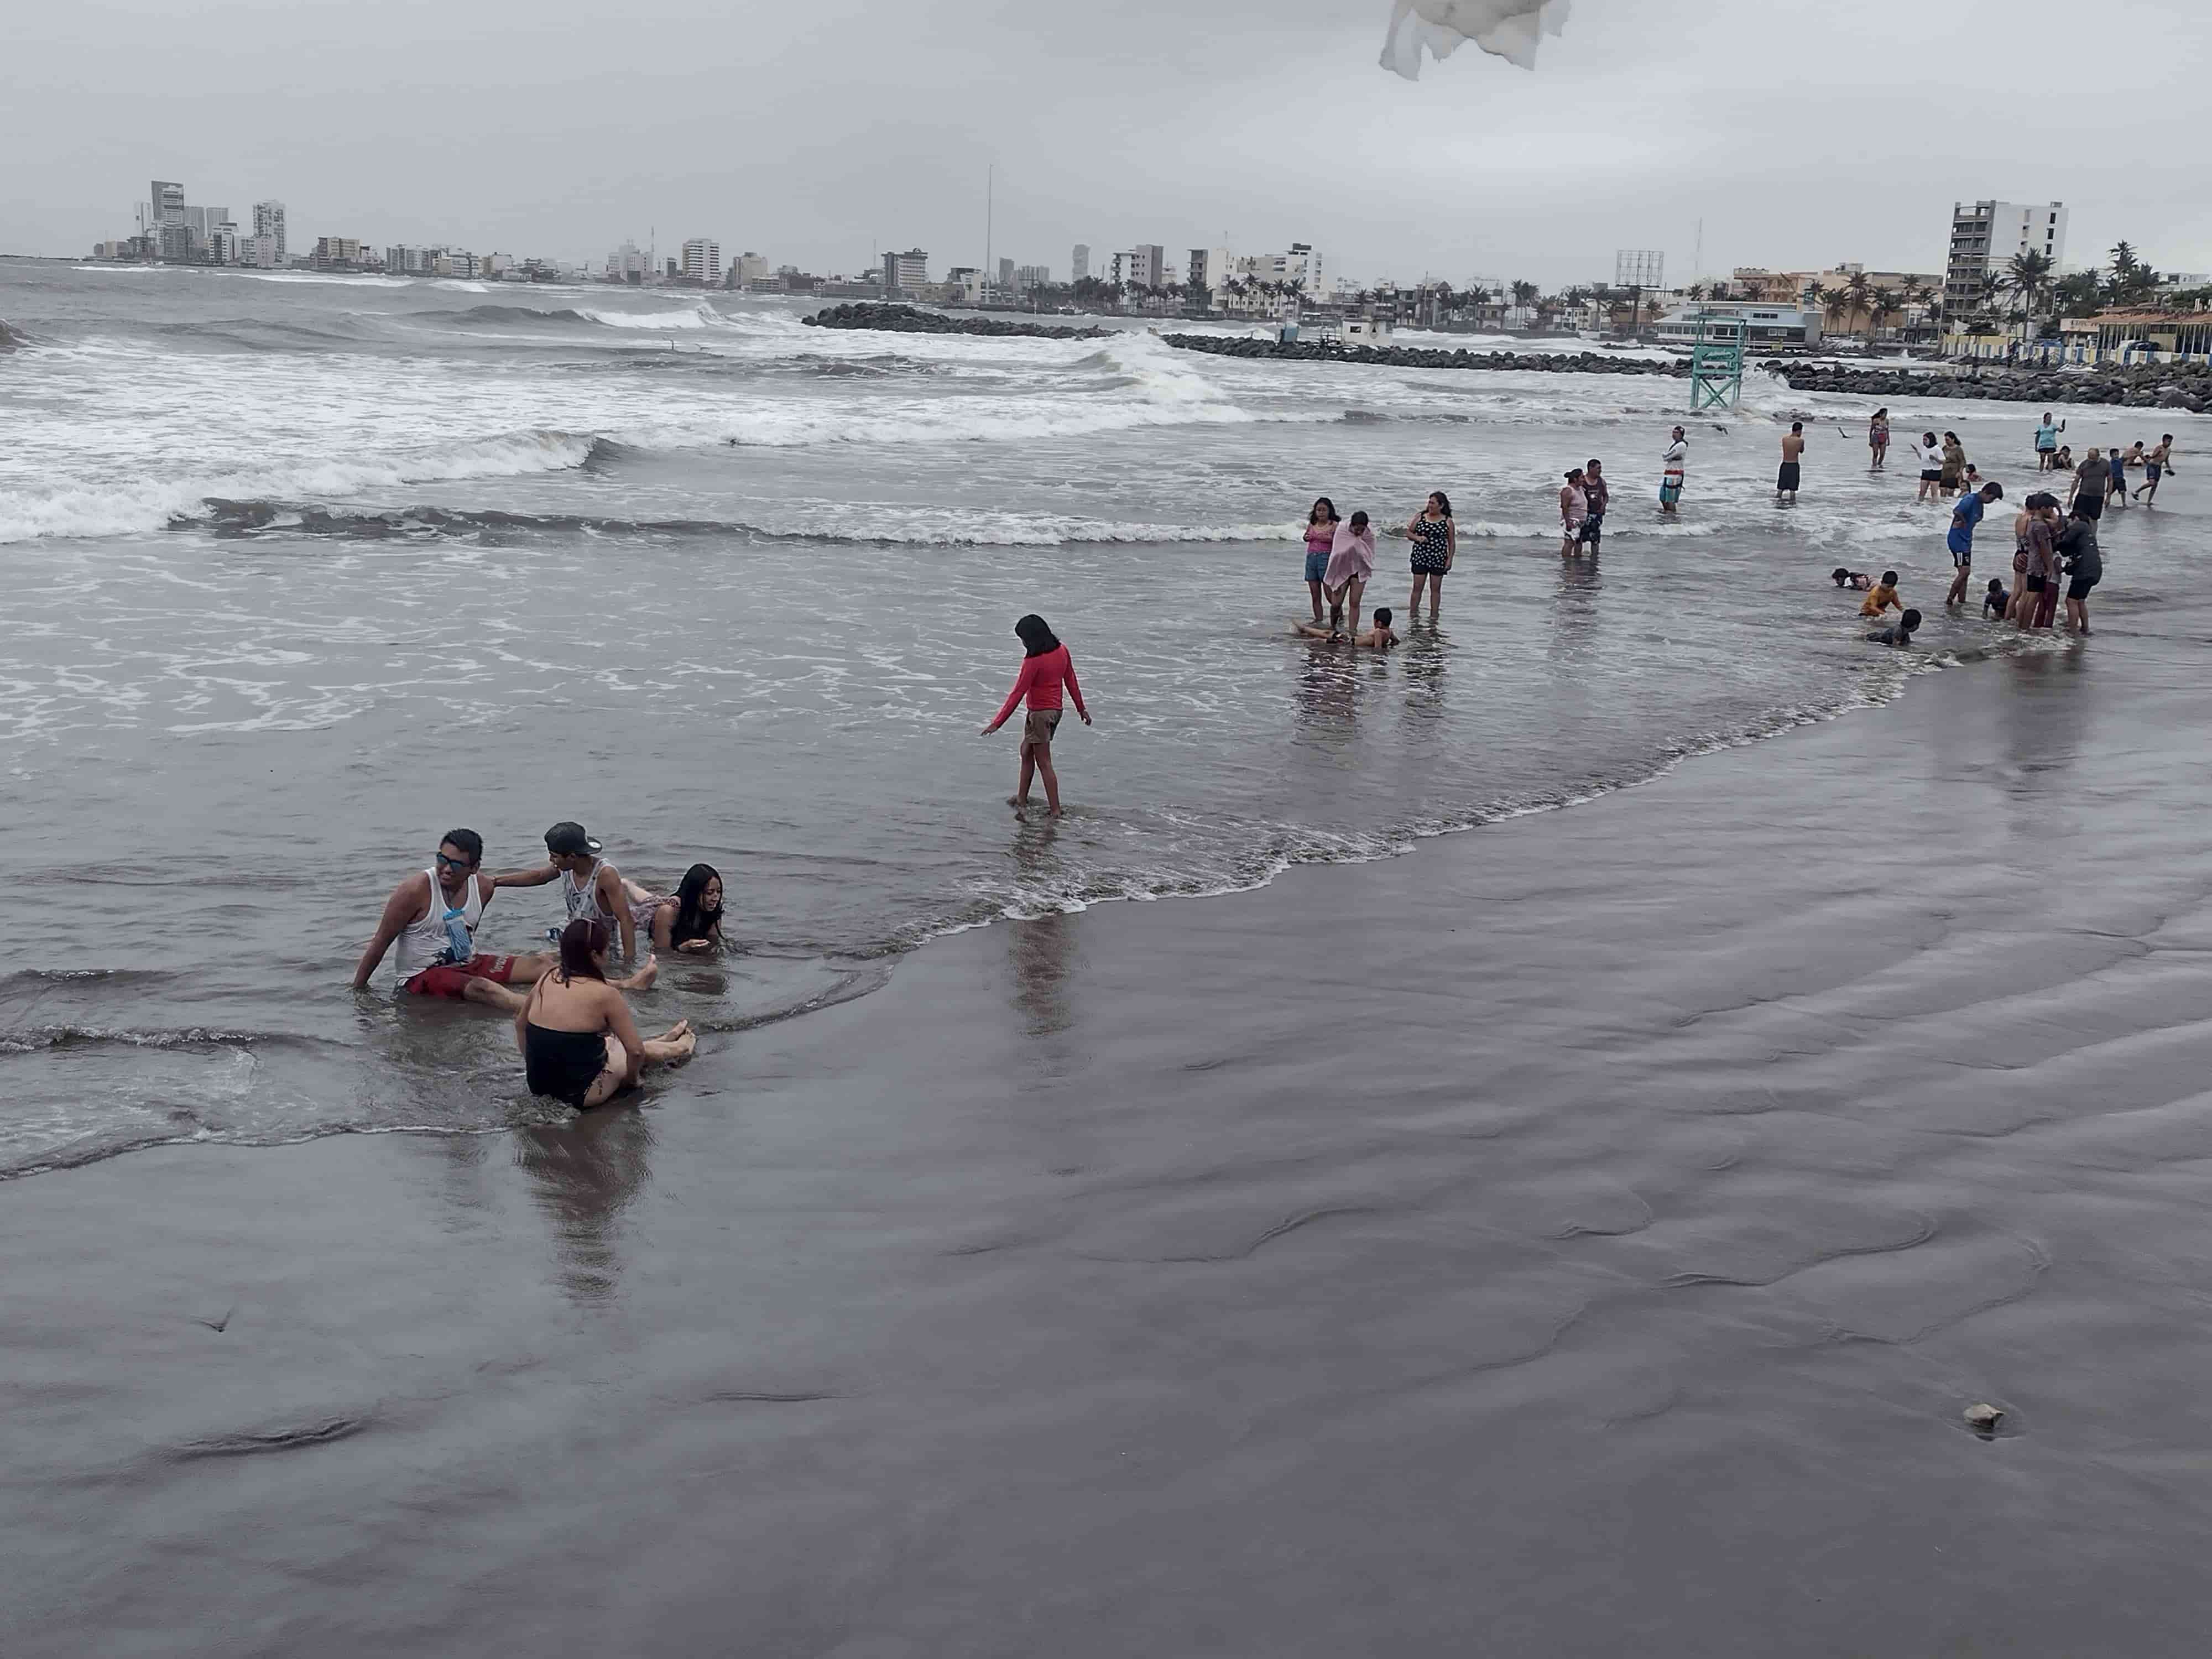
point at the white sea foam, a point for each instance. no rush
(121, 509)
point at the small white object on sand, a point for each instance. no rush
(1504, 28)
(1984, 1417)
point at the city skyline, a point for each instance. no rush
(1631, 132)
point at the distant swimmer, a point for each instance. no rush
(1046, 668)
(1882, 596)
(432, 917)
(1843, 576)
(1350, 563)
(1792, 448)
(1898, 633)
(1671, 466)
(1320, 536)
(1381, 637)
(579, 1044)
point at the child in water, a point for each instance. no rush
(1843, 577)
(1381, 637)
(1899, 632)
(1883, 596)
(1996, 601)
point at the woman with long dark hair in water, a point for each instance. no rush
(1435, 541)
(1321, 541)
(692, 920)
(1045, 669)
(578, 1041)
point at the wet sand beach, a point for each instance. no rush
(1582, 1235)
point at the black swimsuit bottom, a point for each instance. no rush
(563, 1064)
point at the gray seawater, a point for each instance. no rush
(303, 572)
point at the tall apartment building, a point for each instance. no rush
(903, 273)
(1209, 268)
(166, 203)
(1029, 278)
(1984, 237)
(336, 252)
(1143, 266)
(1300, 268)
(703, 260)
(1005, 274)
(269, 221)
(1079, 264)
(748, 268)
(626, 263)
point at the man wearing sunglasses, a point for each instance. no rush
(432, 917)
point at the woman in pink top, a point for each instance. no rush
(1044, 671)
(1351, 562)
(1321, 537)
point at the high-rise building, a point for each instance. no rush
(223, 243)
(338, 254)
(626, 263)
(166, 205)
(1029, 278)
(748, 268)
(1005, 273)
(1209, 268)
(1986, 235)
(1079, 264)
(703, 260)
(905, 272)
(1143, 266)
(269, 221)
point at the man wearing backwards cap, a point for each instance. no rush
(432, 917)
(590, 886)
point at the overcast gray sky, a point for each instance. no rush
(1802, 135)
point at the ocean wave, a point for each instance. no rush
(892, 527)
(112, 510)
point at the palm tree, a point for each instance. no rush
(1695, 291)
(2077, 295)
(1524, 293)
(2028, 276)
(1828, 299)
(1880, 309)
(1856, 292)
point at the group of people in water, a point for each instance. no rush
(578, 1041)
(2055, 553)
(1341, 562)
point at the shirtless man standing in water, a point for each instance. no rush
(1786, 481)
(432, 916)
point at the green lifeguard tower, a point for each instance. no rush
(1716, 360)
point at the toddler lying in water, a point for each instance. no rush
(1857, 579)
(1900, 632)
(1381, 637)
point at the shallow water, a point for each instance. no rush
(305, 572)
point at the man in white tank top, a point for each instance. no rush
(590, 886)
(432, 916)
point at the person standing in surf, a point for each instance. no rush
(1435, 540)
(1321, 538)
(1931, 468)
(1670, 476)
(1574, 508)
(1878, 439)
(1598, 494)
(2046, 442)
(2154, 469)
(1350, 563)
(1792, 447)
(1046, 668)
(1959, 540)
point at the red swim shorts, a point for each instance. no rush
(452, 979)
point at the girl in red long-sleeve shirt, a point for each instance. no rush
(1044, 671)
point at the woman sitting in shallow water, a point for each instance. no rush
(579, 1043)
